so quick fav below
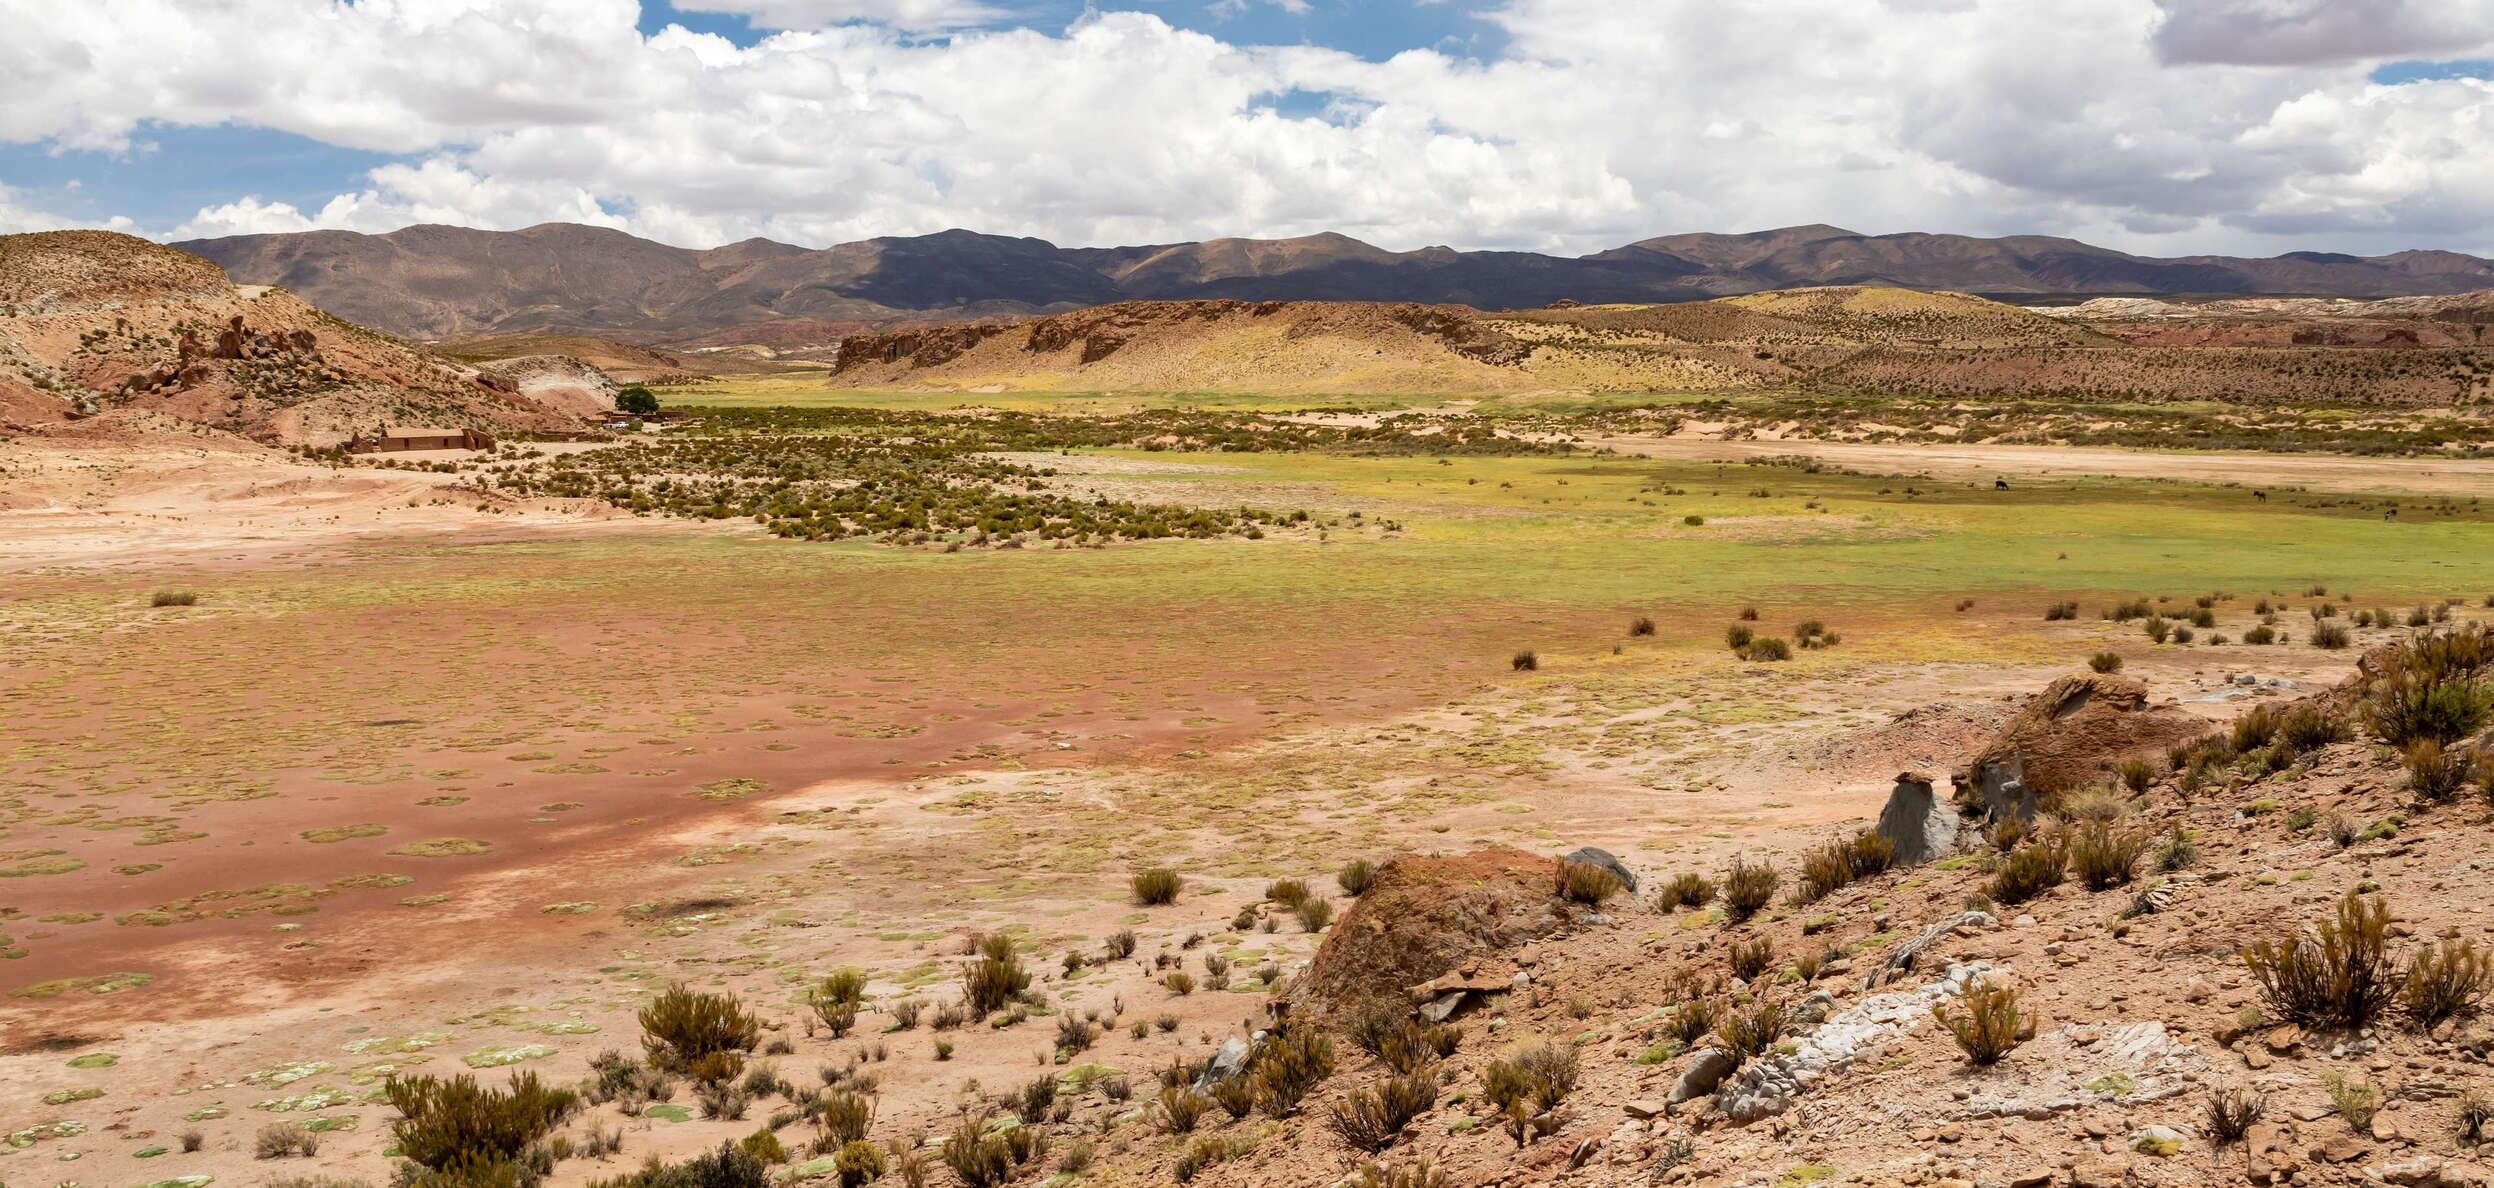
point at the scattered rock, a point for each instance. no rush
(1593, 856)
(1917, 822)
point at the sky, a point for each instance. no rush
(2164, 127)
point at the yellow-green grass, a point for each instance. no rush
(811, 391)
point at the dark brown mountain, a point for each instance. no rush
(443, 282)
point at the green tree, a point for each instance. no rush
(636, 400)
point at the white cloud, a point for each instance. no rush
(17, 218)
(2155, 124)
(814, 14)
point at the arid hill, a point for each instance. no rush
(1834, 340)
(623, 362)
(95, 322)
(454, 282)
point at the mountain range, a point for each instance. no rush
(441, 282)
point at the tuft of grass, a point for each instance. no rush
(1355, 876)
(1991, 1026)
(697, 1034)
(173, 598)
(2342, 977)
(1751, 958)
(1585, 883)
(1747, 888)
(2029, 871)
(2232, 1113)
(2105, 662)
(2448, 982)
(1157, 886)
(2105, 855)
(1688, 890)
(1371, 1119)
(993, 978)
(1525, 661)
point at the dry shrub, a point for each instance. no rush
(173, 598)
(1585, 883)
(2232, 1113)
(278, 1140)
(453, 1123)
(1525, 661)
(1525, 1087)
(993, 978)
(1157, 886)
(1371, 1119)
(2435, 772)
(1991, 1026)
(1355, 876)
(1315, 914)
(699, 1035)
(1415, 1175)
(2029, 871)
(1688, 890)
(2105, 855)
(1290, 1066)
(1751, 958)
(1181, 1109)
(1748, 888)
(2448, 982)
(1746, 1033)
(2342, 977)
(1289, 893)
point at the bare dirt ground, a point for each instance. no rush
(2317, 472)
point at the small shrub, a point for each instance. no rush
(2233, 1112)
(278, 1140)
(2105, 855)
(1749, 1032)
(2331, 636)
(1991, 1025)
(699, 1035)
(1120, 944)
(1355, 876)
(993, 978)
(1289, 893)
(858, 1163)
(1157, 886)
(1525, 661)
(1288, 1068)
(2448, 982)
(1642, 626)
(2029, 871)
(2341, 978)
(2107, 662)
(1417, 1175)
(2060, 611)
(1752, 958)
(1749, 614)
(2157, 629)
(2435, 773)
(1767, 650)
(1179, 982)
(174, 598)
(1371, 1119)
(2136, 775)
(1688, 890)
(2260, 636)
(1586, 883)
(2475, 1112)
(2354, 1101)
(454, 1123)
(1737, 637)
(1748, 888)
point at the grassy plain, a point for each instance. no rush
(496, 787)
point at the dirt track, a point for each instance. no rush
(2424, 476)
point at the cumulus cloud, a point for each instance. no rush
(2148, 123)
(2317, 32)
(17, 218)
(814, 14)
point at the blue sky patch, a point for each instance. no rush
(2394, 73)
(169, 173)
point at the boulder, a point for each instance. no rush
(1228, 1060)
(1705, 1070)
(1424, 917)
(1917, 822)
(2073, 735)
(1593, 856)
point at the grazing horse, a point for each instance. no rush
(2262, 496)
(2000, 484)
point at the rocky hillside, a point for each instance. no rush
(454, 282)
(1836, 341)
(2121, 952)
(98, 323)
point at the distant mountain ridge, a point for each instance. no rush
(445, 282)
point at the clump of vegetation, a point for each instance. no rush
(1992, 1024)
(2429, 690)
(1371, 1119)
(455, 1127)
(173, 598)
(1414, 1175)
(1288, 1067)
(1314, 914)
(2448, 982)
(2029, 871)
(1527, 660)
(1181, 1109)
(1355, 876)
(277, 1140)
(2233, 1112)
(2105, 662)
(1752, 957)
(1748, 888)
(1766, 649)
(994, 977)
(1586, 883)
(2105, 855)
(989, 1160)
(1688, 890)
(1525, 1087)
(2342, 978)
(1642, 626)
(730, 1166)
(1746, 1033)
(699, 1035)
(2331, 636)
(1157, 886)
(2434, 772)
(1738, 637)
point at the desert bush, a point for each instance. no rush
(841, 985)
(2107, 662)
(2203, 618)
(1236, 1096)
(1074, 1035)
(1749, 614)
(1355, 876)
(1415, 1175)
(994, 977)
(1585, 883)
(1525, 661)
(2105, 855)
(1157, 886)
(2307, 728)
(1806, 964)
(1824, 870)
(845, 1117)
(2409, 703)
(1531, 1082)
(2157, 628)
(1747, 1032)
(1315, 914)
(1370, 1119)
(2353, 1100)
(1417, 1044)
(278, 1140)
(1289, 893)
(858, 1163)
(1991, 1025)
(2178, 853)
(1209, 1150)
(1288, 1067)
(1767, 649)
(2232, 1113)
(1642, 626)
(2181, 635)
(1748, 888)
(2029, 871)
(2059, 611)
(173, 598)
(2434, 772)
(1737, 637)
(2136, 775)
(2260, 636)
(1692, 1019)
(451, 1124)
(2475, 1111)
(1688, 890)
(192, 1140)
(1751, 958)
(2331, 636)
(2448, 982)
(730, 1166)
(1179, 982)
(699, 1035)
(1120, 944)
(2342, 977)
(984, 1160)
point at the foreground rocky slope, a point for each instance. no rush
(98, 323)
